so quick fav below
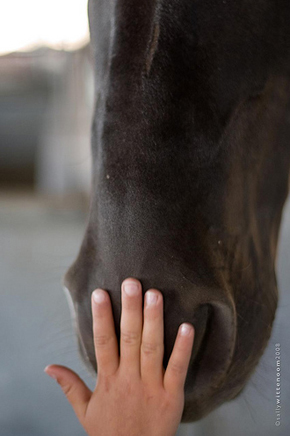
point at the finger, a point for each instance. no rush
(152, 344)
(131, 326)
(105, 341)
(75, 390)
(177, 367)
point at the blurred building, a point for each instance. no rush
(46, 104)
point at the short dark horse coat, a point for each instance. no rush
(190, 159)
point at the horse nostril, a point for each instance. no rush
(213, 347)
(197, 317)
(214, 351)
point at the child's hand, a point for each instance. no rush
(133, 396)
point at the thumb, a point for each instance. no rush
(75, 390)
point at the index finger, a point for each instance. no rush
(105, 340)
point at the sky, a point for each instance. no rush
(28, 24)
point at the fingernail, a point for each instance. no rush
(151, 298)
(185, 330)
(49, 373)
(99, 296)
(131, 288)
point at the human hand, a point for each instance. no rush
(133, 395)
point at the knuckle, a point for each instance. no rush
(101, 340)
(68, 390)
(166, 404)
(149, 348)
(130, 338)
(106, 381)
(176, 368)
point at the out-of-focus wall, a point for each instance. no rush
(46, 104)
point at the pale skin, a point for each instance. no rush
(133, 395)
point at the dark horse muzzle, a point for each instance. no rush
(191, 156)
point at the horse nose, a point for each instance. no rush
(172, 321)
(214, 321)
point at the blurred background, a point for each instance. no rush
(46, 103)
